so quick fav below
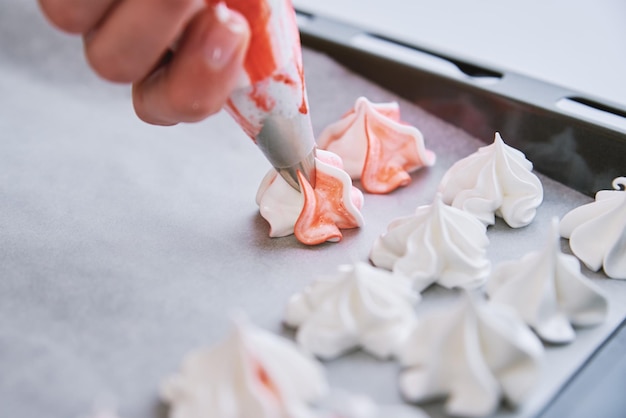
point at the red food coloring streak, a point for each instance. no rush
(265, 381)
(260, 62)
(261, 99)
(303, 107)
(298, 53)
(324, 212)
(284, 78)
(390, 154)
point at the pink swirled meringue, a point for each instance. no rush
(359, 306)
(495, 180)
(317, 214)
(473, 354)
(597, 231)
(438, 244)
(549, 292)
(376, 146)
(252, 373)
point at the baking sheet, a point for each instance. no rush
(123, 245)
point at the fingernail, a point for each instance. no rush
(224, 37)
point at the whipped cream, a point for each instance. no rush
(549, 292)
(438, 244)
(360, 306)
(597, 231)
(252, 373)
(472, 353)
(495, 180)
(376, 146)
(317, 214)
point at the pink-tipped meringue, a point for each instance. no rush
(317, 214)
(376, 146)
(252, 373)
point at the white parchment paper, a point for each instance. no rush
(123, 245)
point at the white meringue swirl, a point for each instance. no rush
(495, 180)
(359, 306)
(376, 146)
(252, 373)
(473, 354)
(597, 231)
(438, 244)
(549, 292)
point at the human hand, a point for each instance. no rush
(130, 41)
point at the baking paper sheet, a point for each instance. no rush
(123, 245)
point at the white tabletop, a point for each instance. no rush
(573, 43)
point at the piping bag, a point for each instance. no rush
(270, 102)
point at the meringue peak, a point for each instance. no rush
(250, 373)
(359, 306)
(316, 215)
(496, 180)
(451, 353)
(548, 290)
(597, 231)
(376, 146)
(438, 244)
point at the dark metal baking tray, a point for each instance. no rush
(124, 246)
(571, 137)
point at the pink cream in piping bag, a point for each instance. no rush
(271, 103)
